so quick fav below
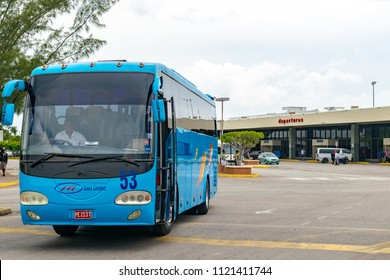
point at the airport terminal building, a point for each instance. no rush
(364, 132)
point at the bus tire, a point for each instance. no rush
(203, 208)
(65, 230)
(165, 227)
(325, 160)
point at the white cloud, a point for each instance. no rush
(267, 87)
(265, 54)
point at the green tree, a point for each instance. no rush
(29, 37)
(245, 139)
(10, 138)
(13, 130)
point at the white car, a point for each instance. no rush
(324, 155)
(9, 153)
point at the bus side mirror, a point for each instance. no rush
(156, 85)
(7, 116)
(13, 85)
(158, 109)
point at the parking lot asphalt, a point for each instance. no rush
(11, 178)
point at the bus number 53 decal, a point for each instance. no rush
(128, 179)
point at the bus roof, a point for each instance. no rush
(119, 66)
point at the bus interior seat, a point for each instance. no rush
(131, 127)
(77, 116)
(95, 120)
(111, 127)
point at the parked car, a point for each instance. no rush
(324, 155)
(268, 158)
(9, 153)
(16, 153)
(254, 154)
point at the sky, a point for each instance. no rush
(262, 54)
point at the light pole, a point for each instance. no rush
(222, 99)
(373, 93)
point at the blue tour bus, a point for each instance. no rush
(146, 147)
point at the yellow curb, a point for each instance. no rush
(9, 184)
(238, 175)
(260, 166)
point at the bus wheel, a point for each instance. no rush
(203, 208)
(164, 228)
(65, 230)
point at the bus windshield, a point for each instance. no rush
(94, 124)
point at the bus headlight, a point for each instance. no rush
(33, 215)
(133, 198)
(33, 198)
(135, 215)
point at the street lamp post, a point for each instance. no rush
(222, 99)
(373, 93)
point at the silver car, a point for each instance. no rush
(268, 158)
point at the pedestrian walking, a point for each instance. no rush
(302, 154)
(3, 160)
(332, 155)
(337, 157)
(223, 160)
(237, 158)
(380, 155)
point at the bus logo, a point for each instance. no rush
(68, 188)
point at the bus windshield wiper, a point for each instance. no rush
(120, 158)
(50, 155)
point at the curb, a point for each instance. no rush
(238, 175)
(260, 166)
(290, 160)
(13, 183)
(5, 210)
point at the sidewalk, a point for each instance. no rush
(11, 178)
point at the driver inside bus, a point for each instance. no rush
(71, 136)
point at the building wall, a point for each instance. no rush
(369, 115)
(360, 130)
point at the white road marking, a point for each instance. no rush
(269, 211)
(337, 178)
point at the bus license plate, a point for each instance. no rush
(82, 214)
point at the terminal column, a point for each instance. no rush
(292, 142)
(355, 141)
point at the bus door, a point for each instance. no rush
(166, 203)
(172, 162)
